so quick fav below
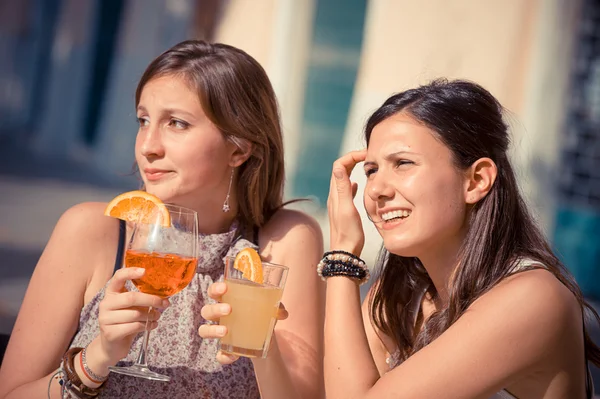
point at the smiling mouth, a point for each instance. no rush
(395, 216)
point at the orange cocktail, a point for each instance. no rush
(166, 274)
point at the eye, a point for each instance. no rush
(143, 121)
(370, 171)
(402, 162)
(178, 124)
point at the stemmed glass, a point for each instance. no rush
(168, 252)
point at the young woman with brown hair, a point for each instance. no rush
(209, 139)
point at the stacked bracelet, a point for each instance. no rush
(98, 379)
(342, 263)
(73, 383)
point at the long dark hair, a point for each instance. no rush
(468, 120)
(237, 96)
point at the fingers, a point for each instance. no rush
(212, 331)
(349, 160)
(226, 358)
(130, 315)
(282, 313)
(117, 282)
(131, 299)
(116, 332)
(216, 290)
(215, 311)
(342, 168)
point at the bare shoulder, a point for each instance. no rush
(85, 233)
(289, 234)
(286, 221)
(86, 217)
(538, 300)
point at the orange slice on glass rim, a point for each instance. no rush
(138, 206)
(248, 262)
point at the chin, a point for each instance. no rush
(401, 248)
(165, 194)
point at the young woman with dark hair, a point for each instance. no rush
(469, 301)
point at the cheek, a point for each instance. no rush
(445, 205)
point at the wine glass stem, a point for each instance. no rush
(141, 360)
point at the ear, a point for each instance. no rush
(241, 151)
(481, 176)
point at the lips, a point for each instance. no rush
(155, 174)
(392, 217)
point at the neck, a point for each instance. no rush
(440, 265)
(211, 217)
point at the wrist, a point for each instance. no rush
(354, 249)
(97, 359)
(343, 263)
(83, 376)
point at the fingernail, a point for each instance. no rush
(224, 308)
(221, 330)
(139, 271)
(338, 173)
(165, 303)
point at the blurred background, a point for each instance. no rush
(68, 71)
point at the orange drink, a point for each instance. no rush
(166, 274)
(253, 309)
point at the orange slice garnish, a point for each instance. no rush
(248, 262)
(134, 206)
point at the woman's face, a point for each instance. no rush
(414, 192)
(183, 158)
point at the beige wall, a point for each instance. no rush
(278, 34)
(249, 25)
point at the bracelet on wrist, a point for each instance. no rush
(73, 383)
(342, 263)
(95, 378)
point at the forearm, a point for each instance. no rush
(349, 367)
(40, 388)
(273, 377)
(36, 389)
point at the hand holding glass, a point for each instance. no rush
(169, 255)
(253, 309)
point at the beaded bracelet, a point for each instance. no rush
(342, 263)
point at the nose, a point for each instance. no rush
(151, 140)
(379, 187)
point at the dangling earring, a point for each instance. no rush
(226, 203)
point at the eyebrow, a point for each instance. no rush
(390, 157)
(168, 111)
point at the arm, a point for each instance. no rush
(49, 314)
(294, 364)
(375, 338)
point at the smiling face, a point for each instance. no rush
(183, 158)
(414, 192)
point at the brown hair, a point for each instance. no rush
(237, 97)
(468, 120)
